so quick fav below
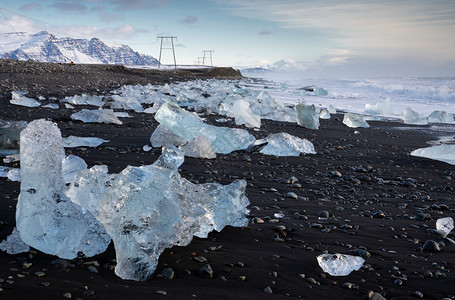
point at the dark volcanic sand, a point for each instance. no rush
(394, 242)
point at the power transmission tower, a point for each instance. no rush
(210, 55)
(198, 62)
(171, 39)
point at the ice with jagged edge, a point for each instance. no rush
(339, 264)
(79, 141)
(380, 108)
(14, 174)
(413, 118)
(18, 98)
(71, 165)
(187, 125)
(443, 117)
(46, 219)
(243, 116)
(445, 153)
(162, 136)
(444, 225)
(199, 147)
(355, 121)
(96, 116)
(84, 99)
(14, 244)
(284, 144)
(126, 103)
(324, 114)
(149, 208)
(307, 116)
(10, 133)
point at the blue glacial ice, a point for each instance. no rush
(445, 153)
(96, 116)
(339, 264)
(307, 116)
(355, 121)
(284, 144)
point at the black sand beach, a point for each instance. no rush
(381, 204)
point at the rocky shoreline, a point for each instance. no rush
(361, 194)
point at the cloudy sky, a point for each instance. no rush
(353, 37)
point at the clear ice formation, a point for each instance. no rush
(445, 153)
(444, 225)
(188, 126)
(380, 108)
(45, 218)
(14, 174)
(339, 264)
(149, 208)
(71, 165)
(324, 114)
(51, 106)
(284, 144)
(332, 109)
(127, 103)
(307, 116)
(199, 147)
(14, 244)
(355, 121)
(4, 171)
(162, 136)
(79, 141)
(10, 133)
(97, 116)
(243, 116)
(18, 98)
(413, 118)
(84, 99)
(441, 117)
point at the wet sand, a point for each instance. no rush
(373, 171)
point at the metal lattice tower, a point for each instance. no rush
(210, 55)
(164, 38)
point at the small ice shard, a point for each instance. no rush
(85, 99)
(445, 153)
(79, 141)
(51, 106)
(307, 116)
(284, 144)
(4, 171)
(332, 109)
(354, 121)
(147, 148)
(413, 118)
(339, 264)
(18, 98)
(127, 103)
(14, 244)
(69, 106)
(188, 126)
(97, 116)
(444, 225)
(314, 90)
(162, 136)
(14, 174)
(122, 114)
(243, 115)
(46, 219)
(149, 208)
(380, 108)
(199, 147)
(441, 117)
(324, 114)
(71, 165)
(12, 158)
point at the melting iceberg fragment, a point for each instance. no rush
(441, 117)
(188, 126)
(339, 264)
(355, 121)
(18, 98)
(46, 219)
(162, 136)
(444, 225)
(445, 153)
(199, 147)
(78, 141)
(10, 133)
(324, 114)
(96, 116)
(127, 103)
(14, 174)
(147, 209)
(380, 108)
(243, 115)
(71, 165)
(307, 116)
(85, 99)
(413, 118)
(284, 144)
(14, 244)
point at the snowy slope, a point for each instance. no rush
(45, 47)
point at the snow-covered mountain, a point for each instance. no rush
(45, 47)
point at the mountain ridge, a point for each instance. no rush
(46, 47)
